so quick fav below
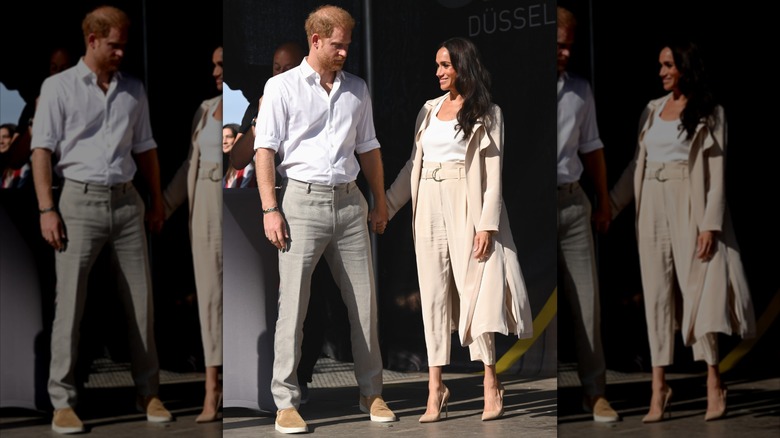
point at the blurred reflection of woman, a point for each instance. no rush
(684, 232)
(199, 179)
(467, 263)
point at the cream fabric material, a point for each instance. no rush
(663, 250)
(443, 245)
(200, 182)
(504, 309)
(718, 290)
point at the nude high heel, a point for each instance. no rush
(665, 407)
(719, 413)
(431, 418)
(492, 415)
(208, 418)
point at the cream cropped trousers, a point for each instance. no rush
(444, 238)
(664, 240)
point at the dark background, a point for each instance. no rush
(171, 54)
(617, 47)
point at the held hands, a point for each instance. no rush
(275, 229)
(377, 218)
(602, 217)
(53, 231)
(483, 241)
(705, 245)
(155, 216)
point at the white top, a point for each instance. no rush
(210, 140)
(578, 132)
(316, 134)
(666, 141)
(91, 132)
(441, 141)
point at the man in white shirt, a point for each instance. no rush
(580, 148)
(316, 117)
(96, 121)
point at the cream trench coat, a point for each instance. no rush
(500, 311)
(727, 307)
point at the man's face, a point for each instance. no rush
(283, 61)
(332, 52)
(216, 59)
(5, 140)
(110, 50)
(565, 41)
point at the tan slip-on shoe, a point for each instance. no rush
(154, 409)
(376, 407)
(66, 421)
(602, 410)
(290, 421)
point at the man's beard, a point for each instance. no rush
(333, 64)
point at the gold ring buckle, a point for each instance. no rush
(214, 174)
(658, 174)
(433, 175)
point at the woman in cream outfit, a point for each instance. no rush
(199, 179)
(468, 270)
(684, 232)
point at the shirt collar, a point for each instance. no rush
(562, 78)
(86, 73)
(309, 72)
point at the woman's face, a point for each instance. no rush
(5, 140)
(670, 76)
(216, 59)
(445, 71)
(228, 138)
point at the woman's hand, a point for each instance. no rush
(482, 245)
(705, 245)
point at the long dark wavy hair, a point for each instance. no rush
(694, 84)
(473, 83)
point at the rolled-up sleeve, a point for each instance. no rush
(589, 130)
(142, 131)
(270, 124)
(48, 122)
(365, 136)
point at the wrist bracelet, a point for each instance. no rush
(270, 210)
(46, 210)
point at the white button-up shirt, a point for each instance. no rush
(316, 134)
(578, 132)
(91, 132)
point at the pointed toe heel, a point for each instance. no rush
(666, 408)
(498, 413)
(436, 416)
(711, 415)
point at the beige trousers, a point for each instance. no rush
(95, 216)
(328, 222)
(444, 237)
(664, 237)
(206, 243)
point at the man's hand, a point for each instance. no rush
(602, 217)
(155, 216)
(276, 229)
(377, 218)
(53, 231)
